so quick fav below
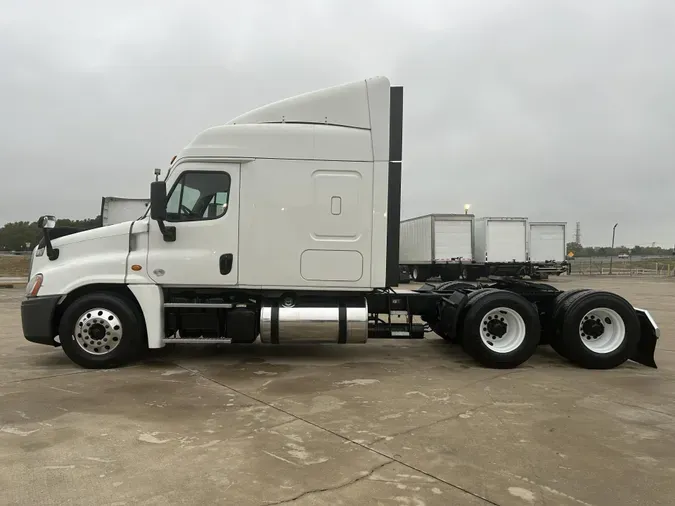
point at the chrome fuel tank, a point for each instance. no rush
(322, 321)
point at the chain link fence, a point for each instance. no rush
(605, 266)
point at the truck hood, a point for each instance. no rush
(93, 234)
(92, 256)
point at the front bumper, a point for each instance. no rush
(37, 319)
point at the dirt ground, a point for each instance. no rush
(386, 423)
(14, 265)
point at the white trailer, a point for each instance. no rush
(500, 248)
(547, 248)
(547, 241)
(284, 225)
(436, 245)
(501, 240)
(120, 209)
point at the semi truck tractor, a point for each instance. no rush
(283, 226)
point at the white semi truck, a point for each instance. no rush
(283, 225)
(121, 209)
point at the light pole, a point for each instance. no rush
(466, 208)
(612, 255)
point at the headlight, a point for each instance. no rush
(33, 286)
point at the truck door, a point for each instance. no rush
(203, 205)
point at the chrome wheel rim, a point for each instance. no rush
(98, 331)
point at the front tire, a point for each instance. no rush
(500, 329)
(102, 331)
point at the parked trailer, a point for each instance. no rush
(284, 225)
(436, 245)
(500, 248)
(119, 209)
(548, 248)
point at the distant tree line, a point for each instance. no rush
(24, 235)
(605, 251)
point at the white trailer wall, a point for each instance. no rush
(501, 239)
(548, 241)
(436, 238)
(415, 241)
(453, 238)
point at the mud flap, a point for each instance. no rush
(450, 309)
(649, 334)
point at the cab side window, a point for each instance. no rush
(199, 195)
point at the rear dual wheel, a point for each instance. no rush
(554, 327)
(594, 329)
(500, 329)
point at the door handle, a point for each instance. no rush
(226, 261)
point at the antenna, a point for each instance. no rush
(157, 173)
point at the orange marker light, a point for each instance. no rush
(136, 267)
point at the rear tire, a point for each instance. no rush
(600, 330)
(102, 331)
(500, 329)
(419, 274)
(469, 274)
(555, 323)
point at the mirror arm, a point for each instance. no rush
(169, 233)
(52, 253)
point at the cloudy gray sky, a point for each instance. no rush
(556, 110)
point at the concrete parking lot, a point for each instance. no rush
(389, 422)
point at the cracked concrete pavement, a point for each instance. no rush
(386, 423)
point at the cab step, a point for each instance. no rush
(198, 340)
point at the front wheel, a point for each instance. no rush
(500, 329)
(102, 331)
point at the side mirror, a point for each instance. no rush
(47, 221)
(158, 209)
(158, 200)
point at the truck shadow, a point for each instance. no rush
(431, 352)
